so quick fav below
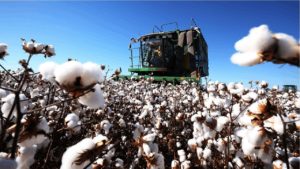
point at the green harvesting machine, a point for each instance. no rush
(171, 56)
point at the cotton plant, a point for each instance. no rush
(32, 47)
(262, 45)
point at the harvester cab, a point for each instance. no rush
(169, 55)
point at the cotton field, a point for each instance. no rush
(71, 116)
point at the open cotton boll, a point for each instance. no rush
(221, 121)
(68, 75)
(149, 137)
(274, 123)
(34, 138)
(72, 153)
(72, 122)
(8, 103)
(288, 46)
(93, 99)
(186, 165)
(47, 70)
(3, 50)
(175, 164)
(39, 47)
(91, 74)
(49, 50)
(8, 163)
(258, 39)
(246, 59)
(105, 125)
(26, 157)
(278, 164)
(181, 154)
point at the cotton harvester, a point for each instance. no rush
(169, 55)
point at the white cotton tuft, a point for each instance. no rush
(246, 59)
(93, 99)
(175, 164)
(73, 152)
(100, 139)
(207, 153)
(258, 39)
(92, 73)
(186, 165)
(149, 137)
(47, 70)
(221, 121)
(26, 157)
(274, 123)
(258, 107)
(8, 103)
(37, 139)
(67, 73)
(72, 122)
(105, 125)
(288, 46)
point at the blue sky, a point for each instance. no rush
(100, 31)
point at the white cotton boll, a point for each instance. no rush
(26, 157)
(49, 50)
(221, 145)
(66, 74)
(236, 110)
(149, 137)
(8, 163)
(178, 144)
(186, 165)
(28, 47)
(236, 88)
(47, 70)
(288, 46)
(278, 164)
(192, 143)
(38, 47)
(274, 123)
(92, 73)
(175, 164)
(73, 152)
(119, 163)
(37, 139)
(246, 59)
(93, 99)
(207, 153)
(238, 161)
(258, 107)
(221, 121)
(258, 39)
(146, 149)
(199, 153)
(71, 120)
(181, 154)
(261, 91)
(106, 125)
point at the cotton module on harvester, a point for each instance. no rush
(169, 55)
